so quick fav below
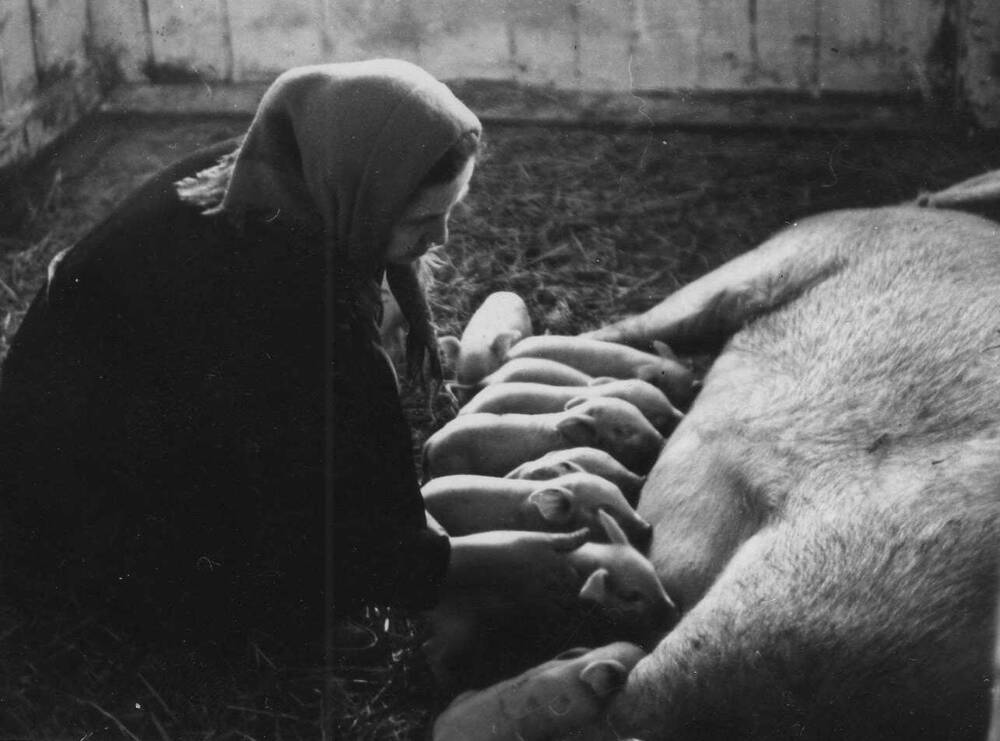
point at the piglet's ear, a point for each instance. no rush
(451, 348)
(503, 342)
(650, 373)
(572, 653)
(601, 380)
(460, 393)
(554, 504)
(596, 589)
(612, 529)
(604, 677)
(664, 350)
(578, 429)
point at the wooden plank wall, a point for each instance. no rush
(47, 78)
(879, 46)
(55, 55)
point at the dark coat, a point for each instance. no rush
(163, 425)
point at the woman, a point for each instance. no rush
(203, 369)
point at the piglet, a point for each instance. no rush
(465, 504)
(607, 591)
(591, 460)
(493, 444)
(529, 370)
(499, 322)
(540, 398)
(547, 701)
(597, 358)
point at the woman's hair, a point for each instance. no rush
(453, 160)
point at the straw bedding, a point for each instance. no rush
(586, 225)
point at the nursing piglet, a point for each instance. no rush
(494, 444)
(545, 702)
(591, 460)
(465, 504)
(606, 592)
(528, 370)
(597, 359)
(540, 398)
(499, 322)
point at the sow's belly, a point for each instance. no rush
(864, 389)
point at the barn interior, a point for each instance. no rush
(632, 146)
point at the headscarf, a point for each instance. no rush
(340, 149)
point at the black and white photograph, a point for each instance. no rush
(499, 370)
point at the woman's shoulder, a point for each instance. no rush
(151, 240)
(153, 208)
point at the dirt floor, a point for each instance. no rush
(587, 225)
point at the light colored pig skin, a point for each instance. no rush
(828, 512)
(539, 398)
(597, 593)
(494, 444)
(537, 370)
(528, 370)
(599, 359)
(465, 504)
(587, 459)
(500, 321)
(565, 693)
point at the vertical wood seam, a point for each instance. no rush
(699, 47)
(36, 52)
(88, 27)
(147, 32)
(752, 78)
(577, 36)
(3, 87)
(228, 58)
(323, 28)
(511, 46)
(817, 48)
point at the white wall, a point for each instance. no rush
(56, 54)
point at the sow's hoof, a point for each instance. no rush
(567, 693)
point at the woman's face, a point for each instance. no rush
(424, 222)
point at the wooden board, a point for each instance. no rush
(121, 36)
(47, 83)
(979, 71)
(512, 103)
(18, 75)
(668, 46)
(188, 41)
(267, 39)
(808, 45)
(26, 129)
(783, 53)
(945, 53)
(60, 37)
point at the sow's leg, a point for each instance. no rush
(994, 734)
(706, 312)
(864, 621)
(703, 508)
